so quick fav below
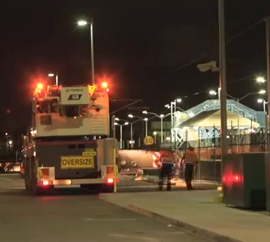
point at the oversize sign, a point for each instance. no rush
(77, 162)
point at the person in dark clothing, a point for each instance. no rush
(166, 173)
(189, 175)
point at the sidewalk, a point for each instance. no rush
(196, 211)
(198, 184)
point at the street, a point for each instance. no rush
(74, 215)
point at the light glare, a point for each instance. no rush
(82, 23)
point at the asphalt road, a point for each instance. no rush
(74, 216)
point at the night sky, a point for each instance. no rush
(142, 46)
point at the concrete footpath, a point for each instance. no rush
(197, 184)
(197, 212)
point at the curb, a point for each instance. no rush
(204, 233)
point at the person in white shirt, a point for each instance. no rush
(190, 159)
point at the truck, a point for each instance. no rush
(10, 156)
(68, 142)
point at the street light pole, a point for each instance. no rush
(161, 128)
(265, 117)
(238, 123)
(131, 130)
(223, 82)
(155, 137)
(161, 116)
(92, 50)
(84, 23)
(56, 78)
(131, 135)
(121, 136)
(172, 122)
(267, 32)
(238, 110)
(121, 130)
(115, 167)
(146, 126)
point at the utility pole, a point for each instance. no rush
(267, 33)
(222, 82)
(92, 51)
(115, 165)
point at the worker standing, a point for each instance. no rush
(189, 159)
(166, 167)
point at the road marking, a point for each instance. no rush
(109, 219)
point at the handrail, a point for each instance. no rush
(232, 105)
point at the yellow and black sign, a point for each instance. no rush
(91, 89)
(85, 161)
(148, 140)
(89, 152)
(77, 162)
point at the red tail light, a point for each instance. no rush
(236, 178)
(232, 179)
(44, 183)
(110, 180)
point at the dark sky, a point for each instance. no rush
(139, 45)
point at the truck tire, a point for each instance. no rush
(37, 191)
(105, 188)
(26, 185)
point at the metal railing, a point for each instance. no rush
(232, 106)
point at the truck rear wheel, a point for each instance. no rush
(106, 188)
(37, 191)
(27, 187)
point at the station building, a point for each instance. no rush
(201, 125)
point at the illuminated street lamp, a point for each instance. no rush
(212, 92)
(173, 107)
(262, 92)
(155, 136)
(121, 132)
(141, 118)
(83, 23)
(131, 130)
(56, 78)
(260, 79)
(161, 116)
